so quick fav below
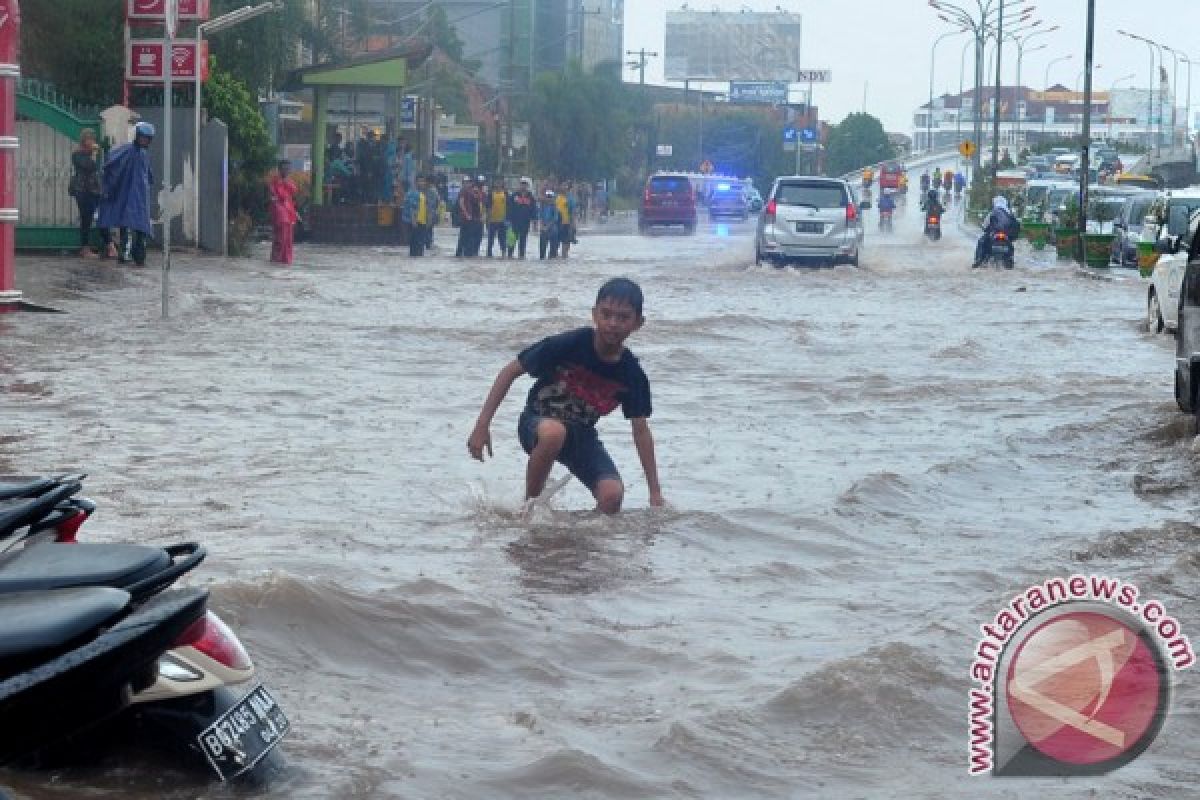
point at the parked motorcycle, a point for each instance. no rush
(71, 658)
(187, 699)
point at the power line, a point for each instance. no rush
(640, 64)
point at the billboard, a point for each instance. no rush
(732, 46)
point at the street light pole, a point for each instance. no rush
(1046, 83)
(982, 28)
(1187, 109)
(1020, 88)
(212, 26)
(929, 116)
(1087, 106)
(1150, 108)
(1112, 88)
(1153, 45)
(996, 99)
(1021, 42)
(956, 15)
(1174, 91)
(962, 61)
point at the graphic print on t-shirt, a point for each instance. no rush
(578, 395)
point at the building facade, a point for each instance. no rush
(517, 39)
(1028, 116)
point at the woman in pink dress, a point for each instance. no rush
(283, 214)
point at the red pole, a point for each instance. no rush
(10, 70)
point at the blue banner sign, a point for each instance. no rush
(408, 113)
(758, 92)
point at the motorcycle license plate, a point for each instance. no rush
(810, 227)
(244, 734)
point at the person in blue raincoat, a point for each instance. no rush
(125, 202)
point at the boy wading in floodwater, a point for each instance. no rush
(581, 376)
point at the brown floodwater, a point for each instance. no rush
(862, 465)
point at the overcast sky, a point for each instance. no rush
(884, 46)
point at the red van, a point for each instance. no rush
(668, 199)
(889, 175)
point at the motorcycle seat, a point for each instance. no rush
(30, 487)
(17, 513)
(50, 565)
(33, 624)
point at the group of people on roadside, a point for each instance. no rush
(506, 219)
(113, 193)
(375, 169)
(951, 182)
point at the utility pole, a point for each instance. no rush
(996, 99)
(640, 64)
(506, 145)
(1087, 130)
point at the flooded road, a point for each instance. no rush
(862, 465)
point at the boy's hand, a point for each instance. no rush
(479, 439)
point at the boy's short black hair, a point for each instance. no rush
(622, 290)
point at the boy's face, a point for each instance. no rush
(615, 320)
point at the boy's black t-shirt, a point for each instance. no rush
(574, 385)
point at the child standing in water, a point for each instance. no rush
(581, 375)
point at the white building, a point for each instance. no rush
(1028, 117)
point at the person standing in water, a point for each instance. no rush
(85, 187)
(581, 375)
(125, 199)
(283, 214)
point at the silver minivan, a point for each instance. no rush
(809, 218)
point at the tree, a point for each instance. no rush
(856, 141)
(582, 124)
(740, 142)
(441, 33)
(261, 51)
(251, 154)
(77, 45)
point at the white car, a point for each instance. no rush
(1162, 298)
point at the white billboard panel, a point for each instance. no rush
(732, 46)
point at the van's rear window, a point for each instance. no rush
(670, 185)
(821, 195)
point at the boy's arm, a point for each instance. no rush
(643, 440)
(481, 437)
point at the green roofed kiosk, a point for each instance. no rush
(375, 220)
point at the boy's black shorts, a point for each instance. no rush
(582, 453)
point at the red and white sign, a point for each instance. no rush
(156, 10)
(144, 61)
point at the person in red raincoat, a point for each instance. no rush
(283, 214)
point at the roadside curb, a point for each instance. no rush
(1095, 274)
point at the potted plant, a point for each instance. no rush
(1034, 229)
(1066, 230)
(1098, 245)
(1154, 222)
